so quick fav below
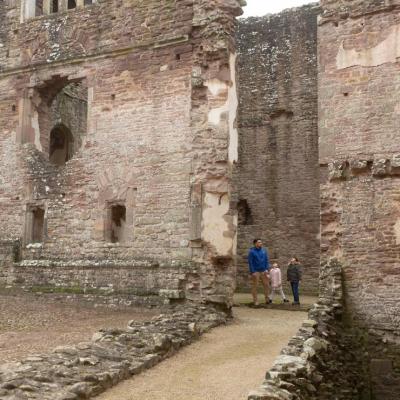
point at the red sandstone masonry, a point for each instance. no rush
(277, 174)
(147, 67)
(359, 101)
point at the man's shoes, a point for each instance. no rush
(295, 303)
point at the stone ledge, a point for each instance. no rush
(153, 44)
(106, 263)
(285, 307)
(376, 168)
(335, 11)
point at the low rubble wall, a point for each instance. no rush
(323, 361)
(85, 370)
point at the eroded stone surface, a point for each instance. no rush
(118, 135)
(358, 124)
(82, 371)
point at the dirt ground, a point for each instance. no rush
(31, 324)
(225, 364)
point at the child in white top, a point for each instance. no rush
(276, 282)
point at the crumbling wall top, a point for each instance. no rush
(353, 8)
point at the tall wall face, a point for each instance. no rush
(277, 175)
(156, 158)
(359, 105)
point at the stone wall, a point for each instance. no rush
(138, 282)
(9, 254)
(90, 368)
(160, 139)
(324, 360)
(359, 102)
(277, 174)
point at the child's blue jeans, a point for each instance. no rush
(295, 290)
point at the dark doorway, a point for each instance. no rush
(61, 145)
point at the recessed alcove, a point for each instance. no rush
(54, 118)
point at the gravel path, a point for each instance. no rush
(225, 364)
(31, 324)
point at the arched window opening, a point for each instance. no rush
(61, 145)
(62, 116)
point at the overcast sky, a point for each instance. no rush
(262, 7)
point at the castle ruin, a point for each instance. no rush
(142, 147)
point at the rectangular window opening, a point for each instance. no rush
(87, 2)
(116, 224)
(71, 4)
(54, 6)
(38, 8)
(37, 228)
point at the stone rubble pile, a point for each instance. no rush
(87, 369)
(321, 362)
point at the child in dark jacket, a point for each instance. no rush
(294, 272)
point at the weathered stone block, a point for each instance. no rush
(358, 165)
(380, 167)
(337, 170)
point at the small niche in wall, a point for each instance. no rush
(116, 223)
(35, 225)
(71, 4)
(54, 6)
(245, 216)
(61, 145)
(38, 8)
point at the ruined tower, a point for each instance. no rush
(117, 141)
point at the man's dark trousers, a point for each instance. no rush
(295, 290)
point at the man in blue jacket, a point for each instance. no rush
(258, 268)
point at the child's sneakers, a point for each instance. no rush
(285, 300)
